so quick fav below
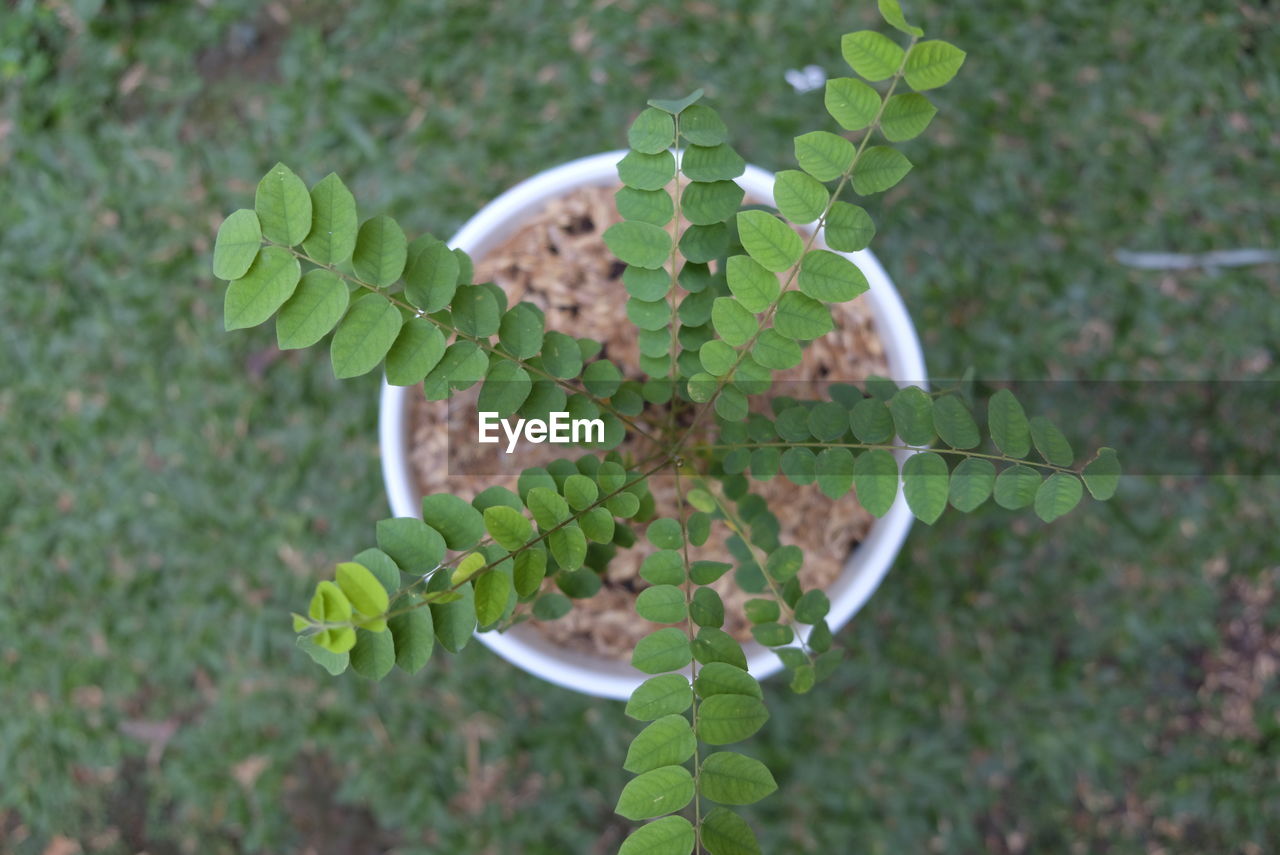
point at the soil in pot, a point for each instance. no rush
(558, 261)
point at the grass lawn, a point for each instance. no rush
(169, 492)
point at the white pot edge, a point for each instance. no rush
(523, 646)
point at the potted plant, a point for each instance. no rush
(672, 451)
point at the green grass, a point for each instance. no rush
(168, 492)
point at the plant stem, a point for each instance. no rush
(693, 662)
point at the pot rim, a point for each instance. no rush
(522, 645)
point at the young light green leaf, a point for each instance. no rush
(723, 719)
(824, 155)
(431, 274)
(283, 206)
(363, 591)
(493, 591)
(892, 14)
(851, 102)
(638, 244)
(971, 484)
(768, 240)
(701, 125)
(381, 251)
(801, 318)
(735, 779)
(1016, 487)
(239, 239)
(252, 299)
(648, 206)
(711, 163)
(509, 528)
(414, 636)
(905, 116)
(668, 694)
(848, 228)
(829, 277)
(413, 545)
(530, 570)
(647, 171)
(800, 197)
(671, 835)
(707, 202)
(726, 833)
(417, 349)
(871, 54)
(954, 423)
(664, 650)
(1102, 475)
(1007, 422)
(364, 337)
(667, 741)
(470, 565)
(1050, 442)
(332, 238)
(458, 522)
(654, 793)
(568, 546)
(661, 604)
(875, 479)
(879, 168)
(1057, 496)
(653, 132)
(732, 321)
(925, 483)
(932, 64)
(374, 654)
(319, 301)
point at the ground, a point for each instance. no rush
(170, 492)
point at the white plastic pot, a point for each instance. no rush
(523, 646)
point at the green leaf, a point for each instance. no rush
(932, 64)
(801, 318)
(364, 337)
(707, 202)
(954, 423)
(283, 206)
(875, 478)
(1016, 487)
(653, 132)
(461, 525)
(812, 606)
(763, 610)
(332, 238)
(552, 606)
(871, 421)
(649, 206)
(834, 469)
(415, 640)
(455, 621)
(829, 277)
(701, 125)
(417, 349)
(568, 546)
(547, 507)
(509, 528)
(671, 835)
(879, 168)
(530, 569)
(1057, 496)
(381, 251)
(711, 163)
(239, 239)
(476, 311)
(912, 410)
(413, 545)
(561, 356)
(658, 696)
(1102, 475)
(971, 484)
(661, 604)
(906, 116)
(768, 240)
(493, 590)
(925, 483)
(334, 663)
(363, 591)
(647, 171)
(718, 678)
(851, 102)
(723, 719)
(848, 228)
(892, 14)
(374, 655)
(271, 280)
(1008, 424)
(665, 534)
(731, 404)
(732, 321)
(735, 779)
(667, 741)
(755, 287)
(654, 793)
(431, 274)
(318, 303)
(800, 198)
(706, 608)
(871, 54)
(602, 378)
(469, 566)
(638, 244)
(664, 650)
(505, 389)
(1050, 442)
(521, 330)
(381, 566)
(675, 105)
(716, 645)
(717, 357)
(773, 634)
(726, 833)
(784, 563)
(824, 155)
(774, 351)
